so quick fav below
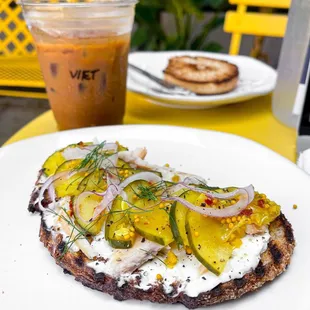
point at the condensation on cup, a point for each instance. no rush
(83, 52)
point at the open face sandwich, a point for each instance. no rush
(136, 230)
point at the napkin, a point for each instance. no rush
(304, 161)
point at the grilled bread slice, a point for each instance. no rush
(202, 75)
(273, 262)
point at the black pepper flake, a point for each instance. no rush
(165, 279)
(143, 240)
(97, 263)
(214, 262)
(2, 292)
(203, 204)
(180, 285)
(199, 246)
(188, 280)
(157, 228)
(183, 266)
(239, 272)
(204, 278)
(47, 274)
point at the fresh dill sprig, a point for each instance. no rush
(93, 159)
(81, 233)
(151, 192)
(93, 164)
(146, 192)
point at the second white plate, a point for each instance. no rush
(256, 79)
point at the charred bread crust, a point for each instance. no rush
(274, 261)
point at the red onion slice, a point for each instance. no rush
(246, 196)
(47, 185)
(76, 205)
(108, 197)
(229, 195)
(141, 176)
(115, 190)
(232, 210)
(51, 193)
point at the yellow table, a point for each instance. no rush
(252, 119)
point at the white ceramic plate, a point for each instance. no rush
(29, 277)
(256, 79)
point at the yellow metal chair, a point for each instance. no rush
(241, 22)
(20, 73)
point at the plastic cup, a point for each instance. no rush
(83, 52)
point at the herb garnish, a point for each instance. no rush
(93, 160)
(151, 192)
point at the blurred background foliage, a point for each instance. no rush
(150, 34)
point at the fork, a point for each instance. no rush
(166, 87)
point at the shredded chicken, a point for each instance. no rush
(127, 261)
(252, 229)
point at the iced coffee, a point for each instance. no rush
(84, 57)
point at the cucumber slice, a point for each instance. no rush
(69, 187)
(86, 208)
(149, 216)
(178, 217)
(154, 225)
(118, 230)
(204, 236)
(121, 148)
(56, 159)
(94, 181)
(68, 165)
(52, 163)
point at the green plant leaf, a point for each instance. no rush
(151, 45)
(212, 47)
(151, 35)
(175, 7)
(140, 36)
(191, 7)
